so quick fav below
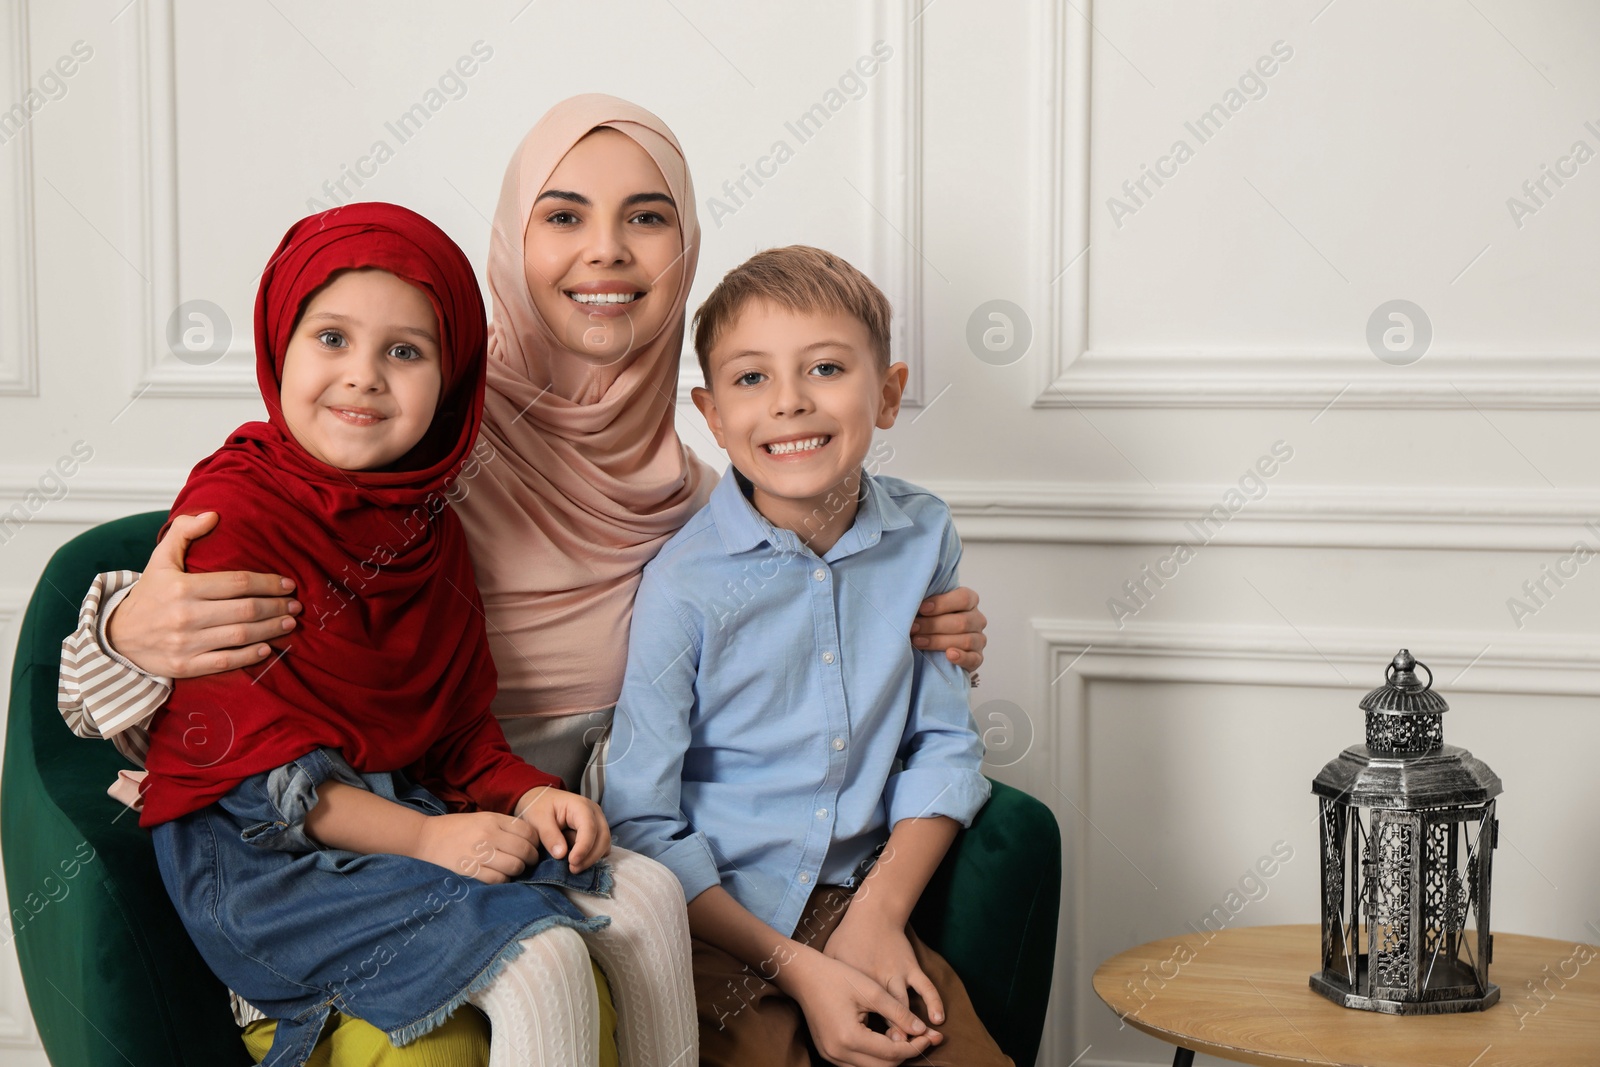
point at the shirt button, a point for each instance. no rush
(827, 657)
(805, 879)
(838, 744)
(819, 574)
(822, 813)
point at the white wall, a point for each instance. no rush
(1174, 340)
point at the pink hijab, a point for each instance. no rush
(587, 478)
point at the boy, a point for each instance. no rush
(775, 731)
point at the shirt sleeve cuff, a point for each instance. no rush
(291, 791)
(691, 860)
(925, 793)
(98, 695)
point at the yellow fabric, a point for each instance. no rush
(460, 1041)
(608, 1020)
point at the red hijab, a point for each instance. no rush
(390, 664)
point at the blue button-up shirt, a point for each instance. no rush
(775, 721)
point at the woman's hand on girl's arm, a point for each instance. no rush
(951, 623)
(187, 625)
(484, 845)
(566, 824)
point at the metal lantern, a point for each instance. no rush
(1408, 839)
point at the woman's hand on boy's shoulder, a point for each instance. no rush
(951, 623)
(568, 825)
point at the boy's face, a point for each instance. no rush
(793, 398)
(361, 376)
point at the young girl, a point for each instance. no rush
(300, 806)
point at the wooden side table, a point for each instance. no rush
(1244, 995)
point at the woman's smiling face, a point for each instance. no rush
(603, 251)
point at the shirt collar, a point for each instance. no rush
(743, 528)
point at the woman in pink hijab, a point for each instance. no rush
(591, 259)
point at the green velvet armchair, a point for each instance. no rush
(112, 978)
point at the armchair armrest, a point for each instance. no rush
(111, 975)
(991, 910)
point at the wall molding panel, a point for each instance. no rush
(1231, 654)
(19, 350)
(1276, 381)
(149, 99)
(1288, 516)
(1073, 374)
(1061, 189)
(897, 174)
(91, 496)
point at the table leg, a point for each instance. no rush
(1183, 1057)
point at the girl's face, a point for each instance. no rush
(602, 253)
(361, 377)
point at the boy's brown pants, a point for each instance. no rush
(746, 1021)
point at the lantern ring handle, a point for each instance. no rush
(1389, 673)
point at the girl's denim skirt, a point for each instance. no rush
(298, 929)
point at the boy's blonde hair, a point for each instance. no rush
(799, 278)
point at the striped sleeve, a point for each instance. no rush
(99, 693)
(244, 1012)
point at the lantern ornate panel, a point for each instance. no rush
(1408, 833)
